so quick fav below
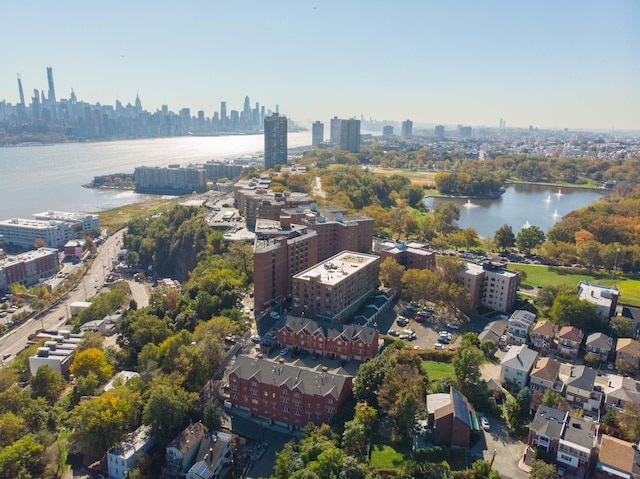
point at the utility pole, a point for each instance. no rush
(615, 265)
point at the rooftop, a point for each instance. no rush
(349, 332)
(520, 357)
(618, 454)
(597, 294)
(335, 269)
(133, 443)
(582, 432)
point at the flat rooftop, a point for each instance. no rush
(335, 269)
(29, 223)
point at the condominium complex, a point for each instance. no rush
(25, 233)
(28, 268)
(173, 179)
(490, 285)
(81, 224)
(410, 254)
(216, 170)
(334, 289)
(275, 140)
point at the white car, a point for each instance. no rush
(453, 326)
(484, 423)
(284, 351)
(438, 346)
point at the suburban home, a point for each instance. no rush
(599, 344)
(546, 375)
(543, 334)
(287, 394)
(628, 349)
(213, 455)
(617, 459)
(181, 453)
(604, 298)
(582, 390)
(573, 441)
(328, 339)
(519, 325)
(516, 366)
(124, 456)
(621, 391)
(493, 330)
(454, 421)
(569, 341)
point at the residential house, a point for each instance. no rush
(599, 344)
(328, 339)
(604, 298)
(181, 453)
(519, 326)
(582, 390)
(214, 454)
(493, 330)
(124, 456)
(546, 375)
(288, 394)
(628, 349)
(516, 366)
(572, 440)
(454, 421)
(621, 391)
(543, 334)
(617, 459)
(569, 341)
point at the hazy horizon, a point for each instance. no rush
(548, 64)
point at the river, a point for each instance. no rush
(50, 177)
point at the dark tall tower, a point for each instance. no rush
(35, 105)
(21, 105)
(275, 140)
(350, 135)
(407, 128)
(336, 130)
(52, 93)
(246, 110)
(317, 133)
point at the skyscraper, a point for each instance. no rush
(21, 105)
(52, 92)
(275, 140)
(317, 133)
(407, 128)
(440, 131)
(350, 135)
(223, 111)
(387, 130)
(246, 111)
(336, 129)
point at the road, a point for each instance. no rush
(16, 340)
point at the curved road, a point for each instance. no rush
(16, 340)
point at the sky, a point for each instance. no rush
(550, 64)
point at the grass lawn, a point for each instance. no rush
(384, 456)
(116, 218)
(437, 371)
(541, 276)
(421, 178)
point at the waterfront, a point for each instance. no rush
(521, 204)
(50, 177)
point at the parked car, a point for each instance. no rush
(274, 315)
(438, 346)
(284, 351)
(453, 326)
(402, 321)
(484, 423)
(270, 335)
(256, 339)
(394, 332)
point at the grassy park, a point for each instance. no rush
(436, 371)
(541, 276)
(116, 218)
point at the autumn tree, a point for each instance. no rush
(542, 470)
(12, 428)
(629, 421)
(47, 383)
(504, 237)
(445, 217)
(91, 361)
(391, 273)
(622, 327)
(167, 409)
(466, 367)
(568, 309)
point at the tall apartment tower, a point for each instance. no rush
(223, 111)
(407, 128)
(350, 135)
(52, 92)
(440, 131)
(275, 140)
(317, 133)
(387, 130)
(336, 126)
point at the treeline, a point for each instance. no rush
(475, 182)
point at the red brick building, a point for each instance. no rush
(285, 393)
(328, 339)
(409, 254)
(28, 268)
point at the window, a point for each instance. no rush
(285, 400)
(285, 392)
(254, 384)
(297, 413)
(296, 395)
(234, 379)
(285, 409)
(330, 401)
(330, 410)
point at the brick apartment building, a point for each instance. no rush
(334, 289)
(328, 339)
(409, 254)
(28, 268)
(491, 285)
(287, 394)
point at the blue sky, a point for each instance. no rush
(545, 63)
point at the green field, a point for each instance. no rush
(541, 276)
(436, 371)
(116, 218)
(384, 456)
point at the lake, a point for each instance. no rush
(520, 205)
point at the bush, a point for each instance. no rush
(431, 454)
(438, 355)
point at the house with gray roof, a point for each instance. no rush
(519, 325)
(599, 344)
(621, 391)
(493, 330)
(213, 455)
(516, 366)
(583, 392)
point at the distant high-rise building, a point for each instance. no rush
(35, 105)
(185, 119)
(246, 110)
(440, 131)
(407, 128)
(275, 140)
(464, 131)
(138, 104)
(21, 105)
(223, 111)
(387, 130)
(52, 92)
(317, 133)
(336, 130)
(350, 135)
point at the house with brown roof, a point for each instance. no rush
(454, 421)
(569, 341)
(628, 349)
(181, 453)
(617, 459)
(599, 344)
(546, 375)
(543, 334)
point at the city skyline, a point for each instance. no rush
(570, 65)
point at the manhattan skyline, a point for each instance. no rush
(570, 65)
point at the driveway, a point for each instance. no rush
(504, 450)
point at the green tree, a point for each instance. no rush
(552, 399)
(524, 400)
(47, 383)
(626, 367)
(287, 462)
(568, 309)
(371, 376)
(622, 327)
(504, 237)
(445, 217)
(512, 411)
(391, 273)
(542, 470)
(21, 458)
(629, 421)
(212, 416)
(12, 428)
(466, 367)
(547, 295)
(167, 409)
(589, 254)
(94, 361)
(529, 238)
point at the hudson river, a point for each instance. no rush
(50, 177)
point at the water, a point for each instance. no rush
(520, 206)
(50, 177)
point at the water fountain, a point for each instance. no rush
(548, 200)
(526, 225)
(468, 204)
(559, 193)
(556, 214)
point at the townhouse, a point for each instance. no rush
(519, 325)
(628, 349)
(543, 335)
(516, 366)
(599, 344)
(569, 341)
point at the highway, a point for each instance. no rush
(16, 340)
